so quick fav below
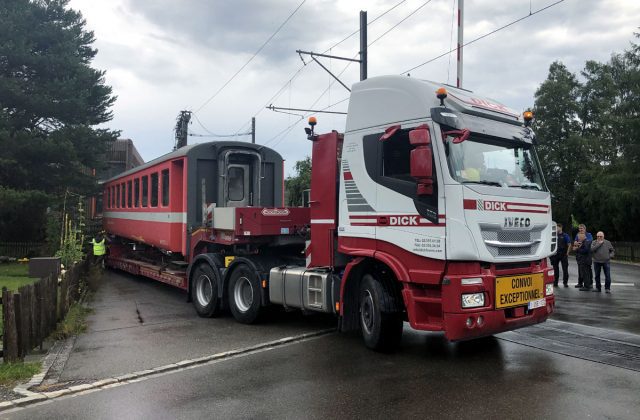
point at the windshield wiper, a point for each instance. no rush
(527, 187)
(483, 182)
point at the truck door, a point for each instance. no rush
(238, 192)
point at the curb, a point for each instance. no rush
(31, 397)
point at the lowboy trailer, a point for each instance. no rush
(430, 208)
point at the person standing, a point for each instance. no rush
(583, 257)
(602, 251)
(561, 256)
(582, 230)
(99, 248)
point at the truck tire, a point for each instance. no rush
(381, 329)
(244, 295)
(204, 291)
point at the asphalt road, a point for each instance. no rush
(585, 362)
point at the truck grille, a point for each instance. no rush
(511, 243)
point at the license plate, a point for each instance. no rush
(519, 290)
(537, 303)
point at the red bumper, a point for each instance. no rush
(491, 322)
(439, 308)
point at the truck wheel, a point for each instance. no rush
(204, 291)
(381, 330)
(244, 295)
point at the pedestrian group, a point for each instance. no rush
(588, 251)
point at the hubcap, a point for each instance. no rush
(366, 312)
(243, 294)
(204, 290)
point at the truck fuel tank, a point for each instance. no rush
(300, 287)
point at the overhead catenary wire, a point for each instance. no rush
(289, 128)
(301, 68)
(483, 36)
(399, 23)
(252, 57)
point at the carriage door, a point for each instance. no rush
(238, 192)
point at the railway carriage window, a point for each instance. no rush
(154, 190)
(106, 198)
(124, 195)
(136, 192)
(129, 194)
(236, 184)
(113, 197)
(165, 187)
(145, 191)
(118, 195)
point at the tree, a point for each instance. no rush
(297, 184)
(556, 125)
(589, 143)
(50, 100)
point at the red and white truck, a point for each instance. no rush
(430, 208)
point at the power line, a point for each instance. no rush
(252, 57)
(358, 30)
(397, 24)
(297, 72)
(212, 134)
(484, 36)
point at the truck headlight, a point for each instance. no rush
(472, 300)
(548, 289)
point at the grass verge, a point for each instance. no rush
(11, 373)
(74, 323)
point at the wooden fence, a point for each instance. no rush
(32, 313)
(22, 249)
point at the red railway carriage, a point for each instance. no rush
(162, 201)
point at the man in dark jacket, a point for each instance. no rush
(582, 246)
(561, 256)
(602, 252)
(582, 230)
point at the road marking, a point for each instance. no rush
(40, 398)
(623, 284)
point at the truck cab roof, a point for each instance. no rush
(393, 99)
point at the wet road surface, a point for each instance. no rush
(587, 367)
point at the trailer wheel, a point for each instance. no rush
(204, 291)
(381, 329)
(244, 295)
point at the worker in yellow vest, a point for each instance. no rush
(99, 248)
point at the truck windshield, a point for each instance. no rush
(500, 164)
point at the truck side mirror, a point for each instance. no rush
(421, 160)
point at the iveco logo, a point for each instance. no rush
(517, 222)
(275, 212)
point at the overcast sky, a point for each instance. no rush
(164, 56)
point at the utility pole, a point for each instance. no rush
(253, 129)
(182, 127)
(460, 40)
(363, 45)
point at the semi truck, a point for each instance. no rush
(429, 208)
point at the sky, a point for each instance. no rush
(162, 56)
